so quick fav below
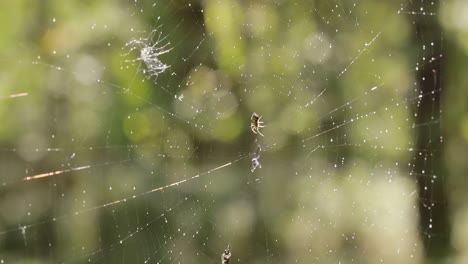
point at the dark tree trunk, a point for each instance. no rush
(427, 161)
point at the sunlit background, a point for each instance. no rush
(108, 156)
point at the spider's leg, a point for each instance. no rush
(260, 133)
(253, 129)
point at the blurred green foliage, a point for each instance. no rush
(336, 83)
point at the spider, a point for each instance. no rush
(256, 124)
(226, 256)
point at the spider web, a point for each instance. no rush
(108, 156)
